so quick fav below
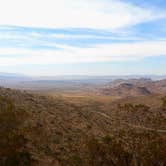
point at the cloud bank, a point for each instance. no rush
(50, 32)
(105, 14)
(99, 53)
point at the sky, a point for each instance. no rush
(83, 37)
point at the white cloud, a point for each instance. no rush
(111, 14)
(42, 38)
(99, 53)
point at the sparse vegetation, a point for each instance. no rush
(37, 130)
(164, 102)
(12, 140)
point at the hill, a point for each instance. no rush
(126, 90)
(53, 131)
(133, 87)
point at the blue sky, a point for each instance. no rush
(82, 37)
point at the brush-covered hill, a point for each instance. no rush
(40, 130)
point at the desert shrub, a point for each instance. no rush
(75, 160)
(141, 107)
(164, 102)
(129, 107)
(12, 139)
(6, 104)
(19, 159)
(107, 151)
(148, 148)
(132, 107)
(127, 148)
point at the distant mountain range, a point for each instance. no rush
(11, 79)
(83, 77)
(105, 85)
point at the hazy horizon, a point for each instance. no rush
(73, 77)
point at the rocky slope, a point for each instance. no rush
(133, 87)
(126, 90)
(50, 131)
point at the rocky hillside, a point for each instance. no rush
(126, 90)
(133, 87)
(40, 130)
